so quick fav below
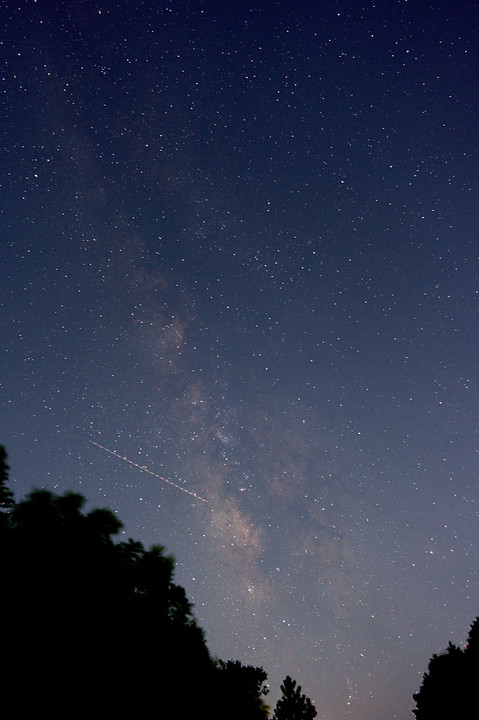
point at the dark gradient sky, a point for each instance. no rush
(239, 246)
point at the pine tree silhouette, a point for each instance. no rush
(293, 705)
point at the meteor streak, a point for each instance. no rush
(150, 472)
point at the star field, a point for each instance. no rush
(239, 248)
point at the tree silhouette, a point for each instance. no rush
(293, 705)
(6, 495)
(243, 688)
(473, 638)
(94, 628)
(449, 687)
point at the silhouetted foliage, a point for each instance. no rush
(247, 685)
(449, 687)
(293, 705)
(6, 495)
(473, 638)
(96, 629)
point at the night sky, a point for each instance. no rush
(239, 246)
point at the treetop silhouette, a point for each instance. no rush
(97, 628)
(6, 495)
(449, 687)
(293, 705)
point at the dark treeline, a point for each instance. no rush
(95, 628)
(449, 687)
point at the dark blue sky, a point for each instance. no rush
(239, 247)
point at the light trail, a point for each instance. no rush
(150, 472)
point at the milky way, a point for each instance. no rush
(239, 248)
